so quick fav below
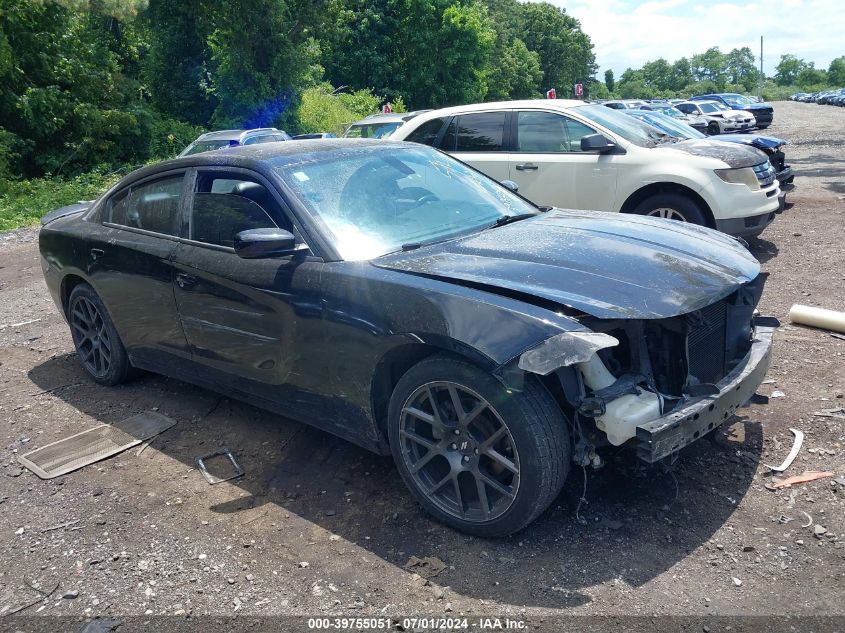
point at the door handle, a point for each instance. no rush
(97, 252)
(527, 167)
(184, 280)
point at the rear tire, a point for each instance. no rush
(95, 338)
(672, 206)
(479, 457)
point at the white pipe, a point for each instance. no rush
(818, 317)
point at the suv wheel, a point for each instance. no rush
(478, 457)
(672, 206)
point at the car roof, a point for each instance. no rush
(557, 104)
(257, 157)
(234, 135)
(699, 102)
(390, 117)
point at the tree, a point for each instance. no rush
(836, 72)
(178, 66)
(515, 75)
(432, 52)
(740, 68)
(609, 81)
(710, 65)
(811, 77)
(566, 52)
(681, 74)
(786, 72)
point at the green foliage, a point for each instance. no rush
(515, 74)
(786, 72)
(320, 110)
(609, 80)
(836, 72)
(24, 202)
(566, 52)
(597, 90)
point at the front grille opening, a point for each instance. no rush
(706, 343)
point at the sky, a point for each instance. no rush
(628, 34)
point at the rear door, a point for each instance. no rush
(132, 269)
(478, 139)
(551, 169)
(248, 321)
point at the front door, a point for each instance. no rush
(248, 321)
(548, 165)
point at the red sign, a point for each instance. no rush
(579, 90)
(551, 94)
(386, 108)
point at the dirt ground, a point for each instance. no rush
(318, 526)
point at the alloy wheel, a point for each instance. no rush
(91, 336)
(459, 451)
(667, 213)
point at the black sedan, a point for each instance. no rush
(389, 294)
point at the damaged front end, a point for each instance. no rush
(661, 383)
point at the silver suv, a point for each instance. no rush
(211, 141)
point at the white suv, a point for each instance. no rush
(585, 156)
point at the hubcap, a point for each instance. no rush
(459, 451)
(90, 337)
(669, 214)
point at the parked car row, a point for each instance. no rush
(828, 97)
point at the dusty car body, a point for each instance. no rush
(485, 343)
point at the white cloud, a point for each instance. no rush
(628, 34)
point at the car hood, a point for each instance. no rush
(734, 155)
(604, 264)
(767, 142)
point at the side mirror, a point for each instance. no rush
(510, 184)
(596, 143)
(264, 243)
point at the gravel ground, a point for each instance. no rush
(318, 526)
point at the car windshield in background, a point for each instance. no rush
(669, 111)
(625, 126)
(372, 130)
(205, 146)
(712, 107)
(668, 125)
(737, 100)
(373, 203)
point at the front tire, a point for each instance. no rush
(713, 129)
(95, 338)
(479, 457)
(672, 206)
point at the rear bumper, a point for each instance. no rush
(668, 434)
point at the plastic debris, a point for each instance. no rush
(805, 477)
(793, 453)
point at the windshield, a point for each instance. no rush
(711, 107)
(374, 201)
(205, 146)
(672, 112)
(372, 130)
(737, 100)
(670, 126)
(627, 127)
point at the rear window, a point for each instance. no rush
(427, 132)
(482, 132)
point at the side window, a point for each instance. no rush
(576, 131)
(118, 204)
(480, 132)
(152, 206)
(686, 108)
(226, 203)
(427, 132)
(217, 217)
(541, 132)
